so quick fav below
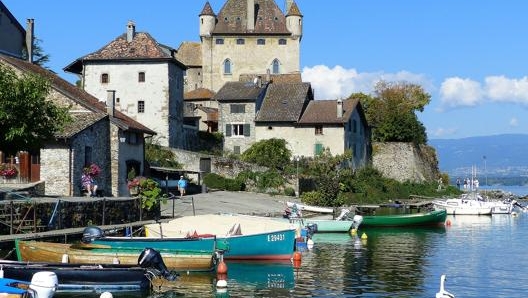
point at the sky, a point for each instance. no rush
(470, 56)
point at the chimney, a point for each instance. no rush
(131, 31)
(268, 76)
(250, 15)
(339, 108)
(110, 102)
(30, 38)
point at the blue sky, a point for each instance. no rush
(471, 56)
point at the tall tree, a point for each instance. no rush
(27, 117)
(39, 57)
(391, 112)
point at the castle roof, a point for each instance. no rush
(284, 102)
(190, 54)
(199, 94)
(207, 10)
(239, 91)
(294, 10)
(233, 18)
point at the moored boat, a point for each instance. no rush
(305, 207)
(432, 218)
(243, 237)
(463, 206)
(179, 260)
(95, 277)
(42, 285)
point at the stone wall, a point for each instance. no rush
(405, 161)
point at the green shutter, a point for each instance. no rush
(318, 149)
(228, 130)
(246, 130)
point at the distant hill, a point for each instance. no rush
(498, 155)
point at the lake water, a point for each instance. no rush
(482, 256)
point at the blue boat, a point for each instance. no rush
(239, 237)
(42, 285)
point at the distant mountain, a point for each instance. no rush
(498, 155)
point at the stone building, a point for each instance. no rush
(98, 134)
(147, 79)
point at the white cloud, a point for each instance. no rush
(339, 82)
(514, 122)
(502, 89)
(443, 132)
(456, 92)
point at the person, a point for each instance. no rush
(458, 183)
(89, 184)
(182, 185)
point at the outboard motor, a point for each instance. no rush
(44, 284)
(151, 258)
(90, 234)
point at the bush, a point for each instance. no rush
(289, 191)
(312, 198)
(216, 181)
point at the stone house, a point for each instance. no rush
(200, 107)
(147, 79)
(246, 36)
(99, 134)
(12, 34)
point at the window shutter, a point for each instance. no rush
(246, 130)
(318, 149)
(228, 130)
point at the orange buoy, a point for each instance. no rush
(448, 222)
(297, 256)
(221, 268)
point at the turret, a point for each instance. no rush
(294, 19)
(207, 20)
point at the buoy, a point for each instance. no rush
(221, 268)
(364, 236)
(310, 243)
(221, 283)
(65, 259)
(297, 256)
(353, 232)
(448, 222)
(106, 295)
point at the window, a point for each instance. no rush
(237, 130)
(275, 67)
(241, 41)
(261, 41)
(318, 129)
(104, 78)
(141, 77)
(319, 149)
(227, 66)
(239, 108)
(282, 41)
(141, 106)
(219, 41)
(132, 138)
(236, 149)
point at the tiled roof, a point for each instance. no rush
(78, 95)
(294, 10)
(81, 121)
(190, 54)
(294, 77)
(284, 102)
(212, 113)
(269, 19)
(239, 91)
(142, 47)
(200, 93)
(325, 112)
(207, 10)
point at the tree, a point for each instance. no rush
(39, 57)
(392, 112)
(271, 153)
(27, 118)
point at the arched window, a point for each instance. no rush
(275, 67)
(227, 66)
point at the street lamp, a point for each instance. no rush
(297, 166)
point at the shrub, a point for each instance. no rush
(289, 191)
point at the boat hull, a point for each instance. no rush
(404, 220)
(74, 277)
(37, 251)
(330, 226)
(463, 207)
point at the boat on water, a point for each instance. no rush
(242, 237)
(432, 218)
(95, 277)
(41, 285)
(87, 253)
(467, 204)
(341, 224)
(305, 207)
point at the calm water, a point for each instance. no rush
(482, 256)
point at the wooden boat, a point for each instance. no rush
(95, 277)
(179, 260)
(42, 285)
(342, 224)
(243, 237)
(432, 218)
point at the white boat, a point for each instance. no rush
(463, 206)
(304, 207)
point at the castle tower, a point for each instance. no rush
(294, 19)
(207, 20)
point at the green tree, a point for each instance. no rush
(271, 153)
(27, 117)
(39, 57)
(391, 112)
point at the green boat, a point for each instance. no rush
(432, 218)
